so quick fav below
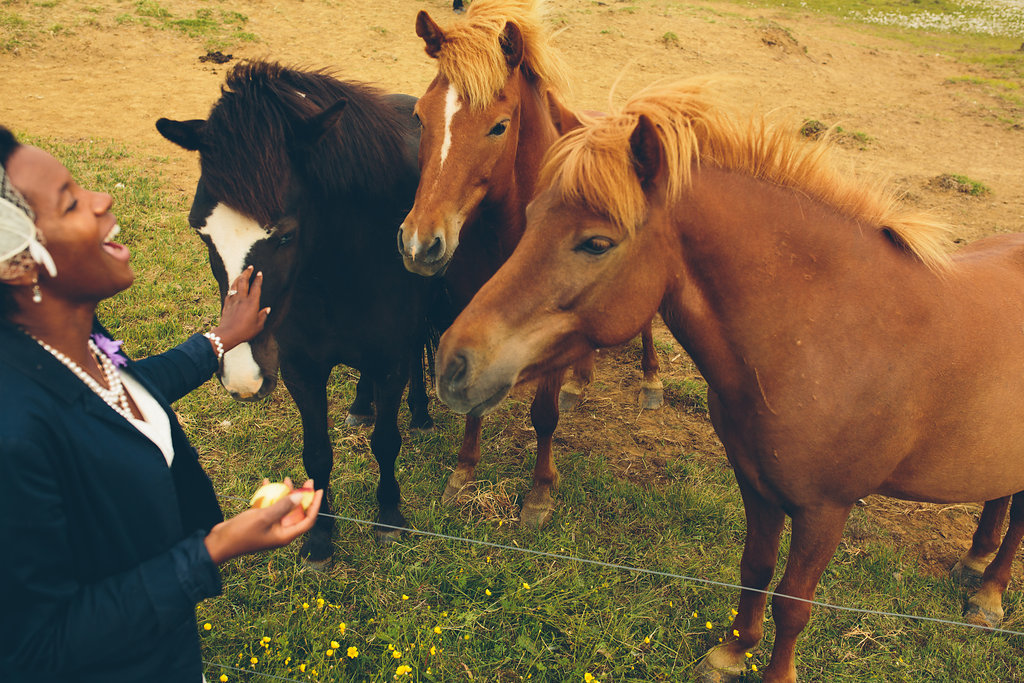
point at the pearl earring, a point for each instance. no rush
(37, 296)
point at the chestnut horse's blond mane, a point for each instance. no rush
(471, 57)
(592, 166)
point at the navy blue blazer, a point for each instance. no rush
(103, 560)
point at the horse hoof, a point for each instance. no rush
(705, 673)
(652, 399)
(353, 420)
(318, 566)
(968, 577)
(459, 482)
(979, 616)
(386, 537)
(422, 431)
(316, 553)
(567, 400)
(537, 511)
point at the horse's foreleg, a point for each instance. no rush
(465, 467)
(652, 392)
(985, 607)
(539, 502)
(971, 566)
(815, 537)
(307, 385)
(361, 410)
(582, 375)
(760, 553)
(419, 413)
(385, 442)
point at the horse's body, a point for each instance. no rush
(486, 123)
(845, 353)
(306, 191)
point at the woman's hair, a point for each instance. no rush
(8, 143)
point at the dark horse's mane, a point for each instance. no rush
(258, 115)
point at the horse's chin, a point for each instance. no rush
(431, 269)
(488, 405)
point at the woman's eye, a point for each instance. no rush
(499, 129)
(596, 245)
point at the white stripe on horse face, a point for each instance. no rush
(233, 236)
(451, 105)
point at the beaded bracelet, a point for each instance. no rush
(217, 344)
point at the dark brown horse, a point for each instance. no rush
(486, 124)
(846, 353)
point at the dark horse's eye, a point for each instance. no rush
(499, 128)
(595, 245)
(285, 238)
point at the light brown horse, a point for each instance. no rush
(486, 124)
(846, 353)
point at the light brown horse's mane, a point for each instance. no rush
(472, 59)
(593, 166)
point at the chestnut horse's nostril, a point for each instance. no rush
(436, 250)
(456, 372)
(401, 242)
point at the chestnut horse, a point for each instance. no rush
(846, 353)
(486, 124)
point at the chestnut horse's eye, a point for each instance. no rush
(596, 245)
(419, 122)
(499, 128)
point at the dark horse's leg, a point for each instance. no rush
(539, 502)
(985, 607)
(307, 383)
(652, 392)
(385, 442)
(361, 410)
(419, 413)
(971, 566)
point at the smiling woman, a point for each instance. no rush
(103, 586)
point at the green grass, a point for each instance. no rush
(462, 611)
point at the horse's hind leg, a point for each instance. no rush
(385, 442)
(308, 387)
(969, 568)
(539, 502)
(419, 413)
(582, 375)
(465, 467)
(652, 391)
(361, 411)
(985, 608)
(760, 553)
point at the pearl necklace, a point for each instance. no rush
(115, 396)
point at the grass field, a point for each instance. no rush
(441, 609)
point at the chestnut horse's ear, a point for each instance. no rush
(512, 45)
(317, 126)
(565, 119)
(187, 134)
(646, 147)
(430, 32)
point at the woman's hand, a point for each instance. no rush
(241, 318)
(261, 528)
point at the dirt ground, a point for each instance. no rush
(97, 77)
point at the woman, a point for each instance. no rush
(109, 528)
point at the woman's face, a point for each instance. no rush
(76, 225)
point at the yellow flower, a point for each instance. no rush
(526, 585)
(488, 558)
(487, 591)
(695, 615)
(437, 629)
(334, 644)
(753, 667)
(391, 647)
(319, 602)
(254, 660)
(223, 678)
(433, 650)
(734, 612)
(707, 624)
(397, 654)
(670, 603)
(736, 632)
(465, 637)
(588, 677)
(403, 670)
(749, 655)
(341, 627)
(353, 652)
(330, 653)
(287, 660)
(444, 614)
(207, 626)
(647, 640)
(404, 596)
(305, 605)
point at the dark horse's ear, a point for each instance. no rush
(646, 147)
(187, 134)
(317, 126)
(512, 45)
(430, 32)
(565, 119)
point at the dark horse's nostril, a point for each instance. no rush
(436, 250)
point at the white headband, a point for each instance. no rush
(21, 243)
